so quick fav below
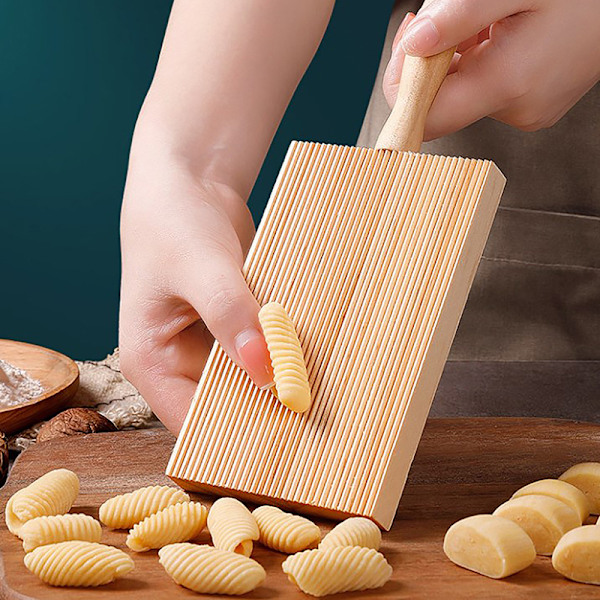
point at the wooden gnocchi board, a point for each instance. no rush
(462, 467)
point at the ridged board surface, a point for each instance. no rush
(372, 253)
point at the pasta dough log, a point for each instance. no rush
(586, 477)
(208, 570)
(284, 531)
(561, 490)
(355, 531)
(338, 569)
(52, 494)
(78, 564)
(545, 520)
(125, 510)
(289, 368)
(59, 528)
(176, 523)
(232, 526)
(489, 545)
(577, 555)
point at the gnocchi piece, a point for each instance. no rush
(337, 569)
(78, 564)
(176, 523)
(355, 531)
(489, 545)
(52, 494)
(232, 526)
(586, 477)
(577, 555)
(125, 510)
(561, 490)
(59, 528)
(545, 520)
(285, 532)
(289, 369)
(208, 570)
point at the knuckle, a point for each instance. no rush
(221, 306)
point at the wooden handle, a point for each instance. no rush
(421, 79)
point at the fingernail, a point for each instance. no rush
(253, 353)
(421, 36)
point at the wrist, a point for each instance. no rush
(204, 145)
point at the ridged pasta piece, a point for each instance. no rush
(338, 569)
(356, 531)
(289, 369)
(176, 523)
(125, 510)
(78, 564)
(284, 531)
(52, 494)
(232, 526)
(208, 570)
(59, 528)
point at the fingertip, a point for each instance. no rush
(253, 355)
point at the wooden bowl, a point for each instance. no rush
(59, 376)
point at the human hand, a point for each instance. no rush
(183, 244)
(522, 62)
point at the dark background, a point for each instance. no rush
(73, 76)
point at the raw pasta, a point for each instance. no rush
(207, 570)
(284, 531)
(59, 528)
(586, 477)
(176, 523)
(289, 369)
(232, 526)
(356, 531)
(560, 490)
(51, 494)
(338, 569)
(78, 564)
(489, 545)
(544, 519)
(125, 510)
(577, 555)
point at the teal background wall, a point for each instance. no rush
(73, 74)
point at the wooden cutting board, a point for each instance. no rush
(462, 467)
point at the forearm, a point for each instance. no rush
(226, 73)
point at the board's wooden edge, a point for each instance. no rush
(456, 297)
(317, 511)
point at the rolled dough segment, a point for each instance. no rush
(545, 520)
(577, 555)
(489, 545)
(561, 490)
(586, 477)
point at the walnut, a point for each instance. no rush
(74, 421)
(3, 457)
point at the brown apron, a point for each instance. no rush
(536, 296)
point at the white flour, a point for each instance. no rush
(21, 387)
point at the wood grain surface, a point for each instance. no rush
(462, 467)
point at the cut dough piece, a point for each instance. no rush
(586, 477)
(545, 520)
(489, 545)
(561, 490)
(577, 555)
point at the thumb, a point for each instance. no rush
(220, 295)
(441, 24)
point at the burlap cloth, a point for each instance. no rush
(103, 387)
